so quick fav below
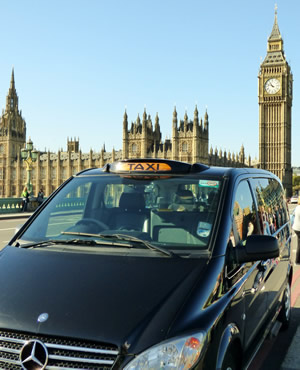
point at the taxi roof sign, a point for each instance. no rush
(152, 166)
(143, 167)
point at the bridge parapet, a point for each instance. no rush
(10, 205)
(14, 205)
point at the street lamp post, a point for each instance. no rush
(29, 155)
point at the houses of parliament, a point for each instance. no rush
(189, 140)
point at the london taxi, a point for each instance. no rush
(148, 264)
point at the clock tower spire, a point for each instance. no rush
(275, 82)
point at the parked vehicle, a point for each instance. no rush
(294, 199)
(148, 264)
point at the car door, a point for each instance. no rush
(273, 219)
(245, 223)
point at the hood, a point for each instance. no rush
(92, 296)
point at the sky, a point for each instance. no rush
(78, 64)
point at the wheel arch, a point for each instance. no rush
(229, 338)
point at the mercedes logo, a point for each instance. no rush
(34, 355)
(43, 317)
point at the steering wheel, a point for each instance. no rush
(88, 221)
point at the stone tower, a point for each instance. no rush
(142, 138)
(12, 139)
(73, 145)
(275, 95)
(190, 138)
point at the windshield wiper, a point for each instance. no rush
(93, 242)
(88, 242)
(146, 243)
(125, 237)
(42, 243)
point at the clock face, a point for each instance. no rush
(272, 86)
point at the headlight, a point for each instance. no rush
(179, 353)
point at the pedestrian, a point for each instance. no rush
(296, 228)
(25, 199)
(40, 197)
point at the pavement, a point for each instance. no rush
(292, 357)
(7, 216)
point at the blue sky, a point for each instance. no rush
(79, 63)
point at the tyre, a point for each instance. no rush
(285, 312)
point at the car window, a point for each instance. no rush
(272, 211)
(68, 209)
(175, 212)
(244, 213)
(244, 222)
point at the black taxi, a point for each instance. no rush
(148, 264)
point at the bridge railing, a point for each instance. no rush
(10, 205)
(71, 204)
(14, 205)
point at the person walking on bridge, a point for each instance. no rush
(296, 228)
(25, 199)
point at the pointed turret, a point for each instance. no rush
(175, 120)
(196, 120)
(12, 97)
(138, 121)
(275, 34)
(242, 154)
(275, 52)
(125, 121)
(157, 134)
(144, 122)
(149, 120)
(157, 127)
(185, 121)
(12, 80)
(174, 135)
(206, 120)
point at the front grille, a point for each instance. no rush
(63, 353)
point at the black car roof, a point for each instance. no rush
(179, 168)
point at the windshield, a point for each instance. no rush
(174, 213)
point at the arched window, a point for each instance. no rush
(184, 147)
(13, 174)
(134, 148)
(63, 173)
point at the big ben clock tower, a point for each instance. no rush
(275, 95)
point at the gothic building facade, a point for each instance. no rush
(275, 95)
(190, 140)
(12, 140)
(189, 143)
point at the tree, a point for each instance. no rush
(296, 184)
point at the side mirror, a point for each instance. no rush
(256, 248)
